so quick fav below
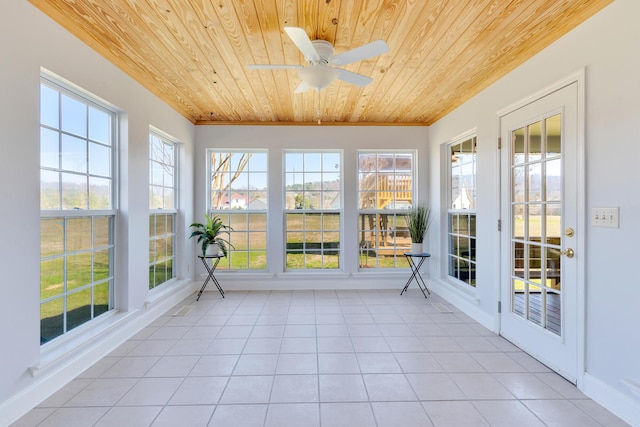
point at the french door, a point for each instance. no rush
(539, 262)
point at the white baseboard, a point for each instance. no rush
(618, 403)
(466, 303)
(53, 375)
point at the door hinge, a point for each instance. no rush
(499, 143)
(499, 307)
(499, 225)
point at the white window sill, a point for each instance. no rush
(61, 349)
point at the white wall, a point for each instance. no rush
(30, 40)
(279, 138)
(607, 45)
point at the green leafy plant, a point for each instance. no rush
(212, 232)
(418, 222)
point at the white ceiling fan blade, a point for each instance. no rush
(302, 87)
(368, 50)
(273, 67)
(353, 78)
(301, 40)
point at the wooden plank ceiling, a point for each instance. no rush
(193, 54)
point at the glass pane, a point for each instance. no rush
(519, 259)
(534, 263)
(534, 178)
(74, 191)
(101, 299)
(312, 162)
(519, 298)
(519, 184)
(331, 162)
(518, 220)
(78, 270)
(295, 222)
(51, 278)
(535, 308)
(99, 126)
(218, 200)
(240, 260)
(161, 225)
(472, 225)
(49, 190)
(78, 234)
(239, 240)
(101, 231)
(518, 146)
(554, 313)
(258, 240)
(258, 222)
(156, 173)
(330, 261)
(331, 221)
(49, 106)
(553, 180)
(99, 160)
(78, 308)
(74, 116)
(74, 154)
(152, 252)
(293, 162)
(51, 320)
(99, 193)
(240, 181)
(554, 263)
(101, 265)
(257, 181)
(535, 141)
(553, 224)
(554, 132)
(258, 162)
(51, 236)
(49, 149)
(313, 259)
(534, 221)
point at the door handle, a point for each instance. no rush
(569, 253)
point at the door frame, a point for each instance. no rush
(578, 78)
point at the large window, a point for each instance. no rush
(238, 194)
(462, 211)
(162, 206)
(77, 209)
(385, 192)
(312, 209)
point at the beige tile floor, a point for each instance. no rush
(318, 358)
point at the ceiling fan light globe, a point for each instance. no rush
(318, 76)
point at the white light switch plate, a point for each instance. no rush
(605, 217)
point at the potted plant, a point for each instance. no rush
(418, 222)
(211, 235)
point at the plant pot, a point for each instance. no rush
(212, 250)
(416, 248)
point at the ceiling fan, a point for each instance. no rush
(321, 72)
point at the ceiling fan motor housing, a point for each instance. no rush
(324, 49)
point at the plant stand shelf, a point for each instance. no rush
(415, 271)
(210, 270)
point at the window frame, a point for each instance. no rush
(322, 251)
(67, 216)
(461, 267)
(397, 232)
(155, 213)
(226, 263)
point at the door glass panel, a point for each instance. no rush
(534, 182)
(535, 141)
(553, 312)
(553, 127)
(518, 146)
(536, 209)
